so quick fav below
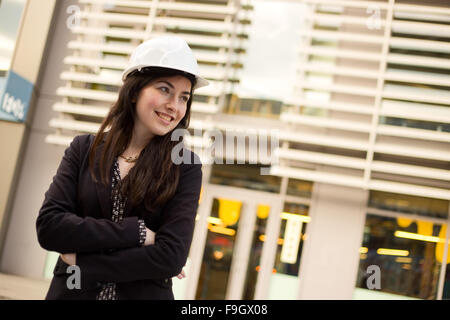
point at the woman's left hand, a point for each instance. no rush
(69, 258)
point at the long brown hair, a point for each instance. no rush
(154, 178)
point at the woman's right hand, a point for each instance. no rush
(149, 237)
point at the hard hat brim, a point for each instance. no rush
(200, 81)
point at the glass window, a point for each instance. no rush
(409, 254)
(10, 14)
(409, 204)
(285, 277)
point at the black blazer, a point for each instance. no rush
(75, 217)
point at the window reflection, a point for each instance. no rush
(217, 257)
(284, 280)
(409, 204)
(407, 252)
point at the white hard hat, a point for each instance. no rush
(167, 52)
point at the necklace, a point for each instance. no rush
(130, 159)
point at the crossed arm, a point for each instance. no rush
(163, 254)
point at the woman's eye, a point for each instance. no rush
(164, 89)
(185, 99)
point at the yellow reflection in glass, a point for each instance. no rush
(229, 211)
(425, 228)
(263, 211)
(404, 222)
(393, 252)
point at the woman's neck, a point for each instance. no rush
(138, 142)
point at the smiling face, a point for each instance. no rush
(161, 105)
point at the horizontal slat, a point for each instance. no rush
(342, 71)
(410, 93)
(194, 24)
(75, 125)
(330, 105)
(439, 10)
(87, 94)
(340, 88)
(350, 3)
(421, 28)
(419, 44)
(356, 182)
(340, 53)
(415, 152)
(58, 139)
(337, 20)
(317, 176)
(417, 77)
(340, 35)
(410, 170)
(414, 60)
(415, 111)
(119, 64)
(321, 158)
(409, 189)
(94, 111)
(325, 122)
(414, 133)
(191, 7)
(204, 107)
(142, 35)
(325, 140)
(91, 78)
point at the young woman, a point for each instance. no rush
(119, 207)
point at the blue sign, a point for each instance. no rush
(16, 98)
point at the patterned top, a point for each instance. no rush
(108, 291)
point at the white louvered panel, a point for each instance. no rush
(167, 22)
(404, 188)
(190, 7)
(323, 140)
(59, 139)
(349, 3)
(340, 32)
(341, 71)
(81, 109)
(337, 20)
(340, 53)
(420, 44)
(416, 111)
(317, 176)
(413, 152)
(331, 105)
(320, 158)
(352, 181)
(411, 59)
(123, 33)
(346, 36)
(417, 94)
(421, 28)
(75, 125)
(87, 94)
(325, 122)
(339, 88)
(410, 170)
(417, 77)
(413, 133)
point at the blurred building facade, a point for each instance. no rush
(354, 95)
